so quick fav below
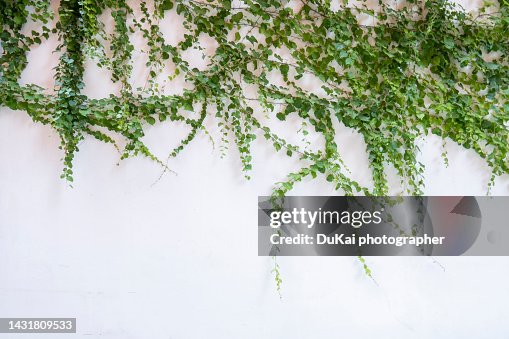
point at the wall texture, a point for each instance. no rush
(132, 256)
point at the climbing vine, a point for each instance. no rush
(402, 72)
(391, 71)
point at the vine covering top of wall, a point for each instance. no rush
(406, 70)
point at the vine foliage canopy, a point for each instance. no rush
(393, 72)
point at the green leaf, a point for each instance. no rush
(237, 17)
(150, 120)
(166, 5)
(284, 70)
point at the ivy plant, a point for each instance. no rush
(424, 67)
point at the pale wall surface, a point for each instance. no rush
(178, 259)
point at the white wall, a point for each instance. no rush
(178, 259)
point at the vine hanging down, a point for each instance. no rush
(390, 73)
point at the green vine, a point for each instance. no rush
(394, 76)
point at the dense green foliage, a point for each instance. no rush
(425, 67)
